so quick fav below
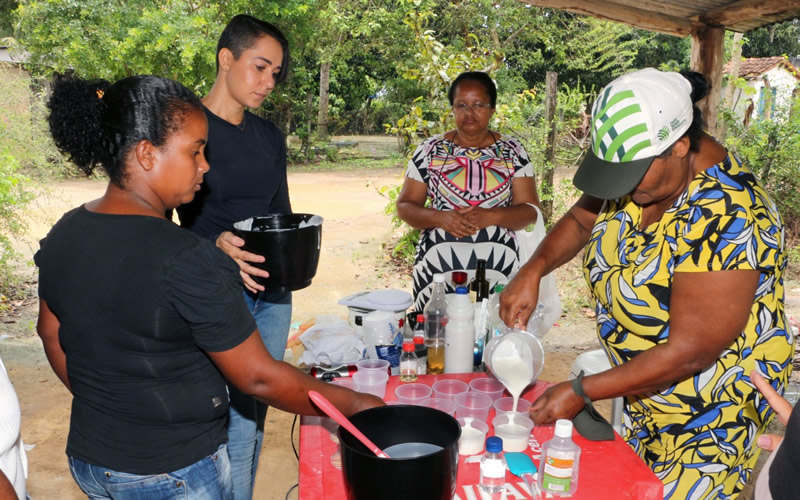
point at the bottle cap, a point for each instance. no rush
(499, 288)
(494, 444)
(420, 318)
(564, 428)
(419, 340)
(409, 347)
(461, 290)
(438, 278)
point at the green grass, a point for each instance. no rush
(347, 164)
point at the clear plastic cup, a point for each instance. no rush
(412, 394)
(448, 389)
(473, 436)
(514, 429)
(506, 405)
(372, 364)
(474, 405)
(371, 381)
(344, 382)
(489, 386)
(440, 404)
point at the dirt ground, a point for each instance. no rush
(353, 259)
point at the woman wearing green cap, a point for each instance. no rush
(684, 254)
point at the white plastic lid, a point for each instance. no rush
(564, 428)
(438, 278)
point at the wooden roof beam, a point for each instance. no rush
(640, 18)
(745, 10)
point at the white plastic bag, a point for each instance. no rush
(528, 241)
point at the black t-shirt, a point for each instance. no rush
(139, 300)
(247, 176)
(784, 474)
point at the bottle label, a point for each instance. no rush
(408, 367)
(557, 474)
(493, 469)
(390, 353)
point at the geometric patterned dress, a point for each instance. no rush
(461, 177)
(697, 435)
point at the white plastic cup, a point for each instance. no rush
(448, 389)
(489, 386)
(514, 429)
(506, 405)
(412, 394)
(344, 382)
(473, 436)
(371, 381)
(440, 404)
(473, 405)
(372, 364)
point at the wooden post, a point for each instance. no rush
(736, 59)
(707, 59)
(550, 102)
(324, 83)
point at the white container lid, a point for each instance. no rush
(564, 428)
(379, 300)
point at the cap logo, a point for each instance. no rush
(676, 124)
(620, 129)
(663, 134)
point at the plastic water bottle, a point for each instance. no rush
(435, 313)
(493, 469)
(558, 469)
(536, 324)
(459, 334)
(495, 324)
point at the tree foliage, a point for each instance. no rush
(774, 40)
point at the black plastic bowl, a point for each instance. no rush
(429, 477)
(291, 253)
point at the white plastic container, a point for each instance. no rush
(459, 334)
(558, 469)
(382, 338)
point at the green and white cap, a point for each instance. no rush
(634, 119)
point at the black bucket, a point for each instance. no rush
(429, 477)
(291, 252)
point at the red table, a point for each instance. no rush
(608, 469)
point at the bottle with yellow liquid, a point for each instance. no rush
(435, 314)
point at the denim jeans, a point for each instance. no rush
(273, 314)
(207, 479)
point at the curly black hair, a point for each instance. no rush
(96, 123)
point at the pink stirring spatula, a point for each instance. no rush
(340, 419)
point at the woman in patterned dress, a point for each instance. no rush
(684, 254)
(479, 183)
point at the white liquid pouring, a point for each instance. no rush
(510, 368)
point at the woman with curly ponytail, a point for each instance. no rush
(144, 321)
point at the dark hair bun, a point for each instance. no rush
(699, 83)
(76, 108)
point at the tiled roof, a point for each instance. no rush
(757, 66)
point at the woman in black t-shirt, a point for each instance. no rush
(144, 321)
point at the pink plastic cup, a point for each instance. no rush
(489, 386)
(372, 364)
(344, 382)
(505, 405)
(440, 404)
(412, 394)
(448, 389)
(371, 381)
(474, 405)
